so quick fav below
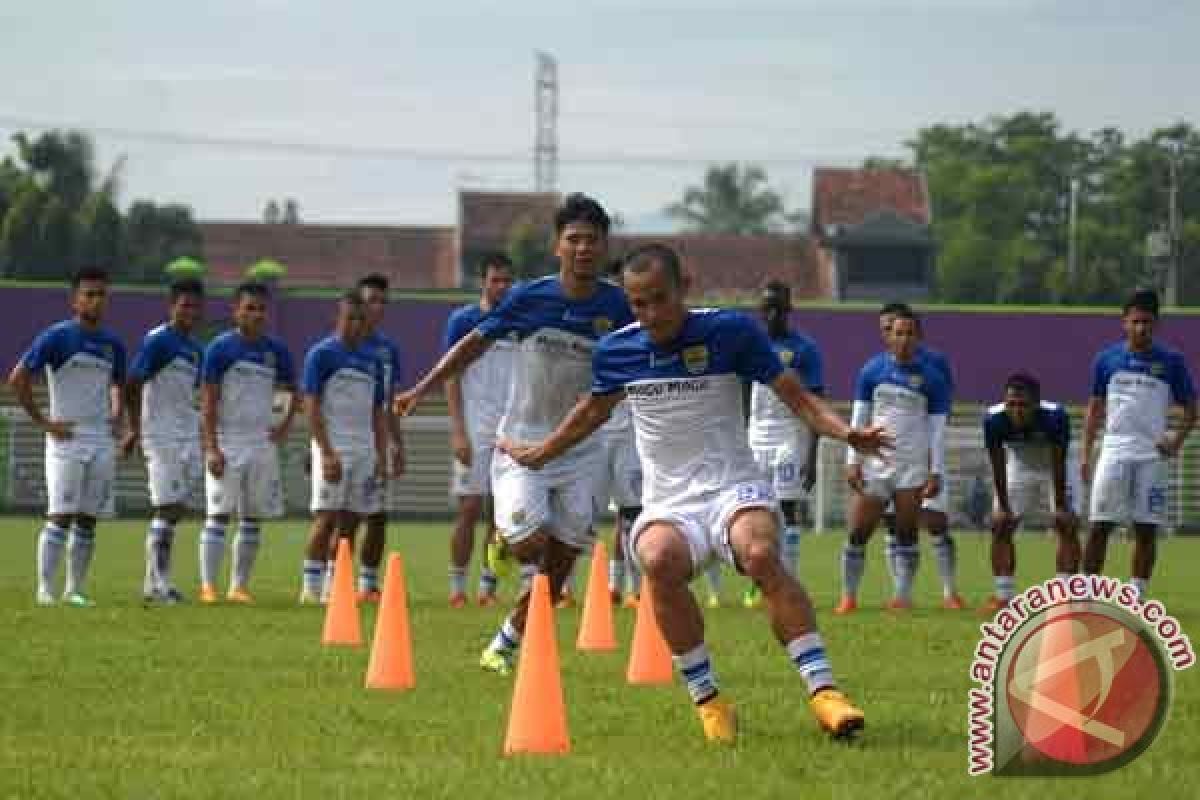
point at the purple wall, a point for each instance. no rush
(983, 347)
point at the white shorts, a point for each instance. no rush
(704, 520)
(620, 473)
(1030, 489)
(882, 482)
(475, 480)
(359, 491)
(785, 466)
(250, 485)
(560, 497)
(1129, 491)
(175, 474)
(80, 478)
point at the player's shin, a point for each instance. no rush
(80, 547)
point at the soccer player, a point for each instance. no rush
(784, 447)
(1134, 383)
(84, 368)
(344, 400)
(621, 482)
(933, 517)
(545, 516)
(476, 402)
(907, 393)
(374, 290)
(1027, 441)
(163, 420)
(239, 374)
(705, 497)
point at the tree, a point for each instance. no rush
(291, 212)
(155, 235)
(271, 213)
(734, 199)
(20, 235)
(56, 239)
(529, 248)
(99, 226)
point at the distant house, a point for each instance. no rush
(872, 234)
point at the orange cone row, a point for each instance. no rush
(537, 720)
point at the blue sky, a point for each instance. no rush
(377, 112)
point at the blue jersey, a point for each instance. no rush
(1138, 389)
(686, 400)
(168, 367)
(80, 366)
(485, 383)
(556, 335)
(941, 364)
(387, 354)
(247, 372)
(1029, 448)
(902, 398)
(348, 382)
(772, 424)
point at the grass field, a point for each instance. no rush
(122, 701)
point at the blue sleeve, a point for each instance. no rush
(993, 435)
(1100, 375)
(315, 372)
(864, 385)
(45, 350)
(947, 373)
(814, 368)
(756, 359)
(1182, 390)
(285, 369)
(461, 323)
(218, 358)
(511, 316)
(151, 357)
(1060, 429)
(119, 361)
(937, 393)
(607, 375)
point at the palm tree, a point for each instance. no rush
(733, 200)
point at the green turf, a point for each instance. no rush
(127, 702)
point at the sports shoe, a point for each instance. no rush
(173, 596)
(498, 558)
(496, 661)
(719, 721)
(899, 604)
(836, 715)
(953, 602)
(713, 601)
(208, 594)
(77, 600)
(308, 598)
(486, 599)
(847, 605)
(238, 594)
(752, 598)
(45, 598)
(458, 600)
(369, 596)
(992, 605)
(565, 600)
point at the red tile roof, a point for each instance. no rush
(333, 255)
(848, 196)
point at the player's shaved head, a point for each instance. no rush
(1024, 383)
(655, 256)
(655, 285)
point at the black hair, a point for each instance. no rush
(1025, 383)
(1142, 300)
(251, 289)
(777, 293)
(374, 280)
(494, 260)
(184, 286)
(97, 274)
(898, 308)
(578, 207)
(640, 260)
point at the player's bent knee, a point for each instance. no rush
(759, 558)
(663, 553)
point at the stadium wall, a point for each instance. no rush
(983, 347)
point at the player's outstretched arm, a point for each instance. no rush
(456, 359)
(585, 418)
(824, 421)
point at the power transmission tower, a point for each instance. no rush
(545, 147)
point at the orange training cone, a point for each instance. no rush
(649, 658)
(391, 665)
(341, 615)
(537, 721)
(596, 629)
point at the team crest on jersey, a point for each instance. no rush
(915, 381)
(695, 359)
(785, 356)
(602, 325)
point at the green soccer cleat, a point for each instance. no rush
(496, 661)
(77, 600)
(499, 560)
(752, 597)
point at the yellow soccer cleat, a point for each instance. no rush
(714, 600)
(238, 594)
(753, 597)
(496, 661)
(499, 560)
(208, 594)
(719, 721)
(836, 715)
